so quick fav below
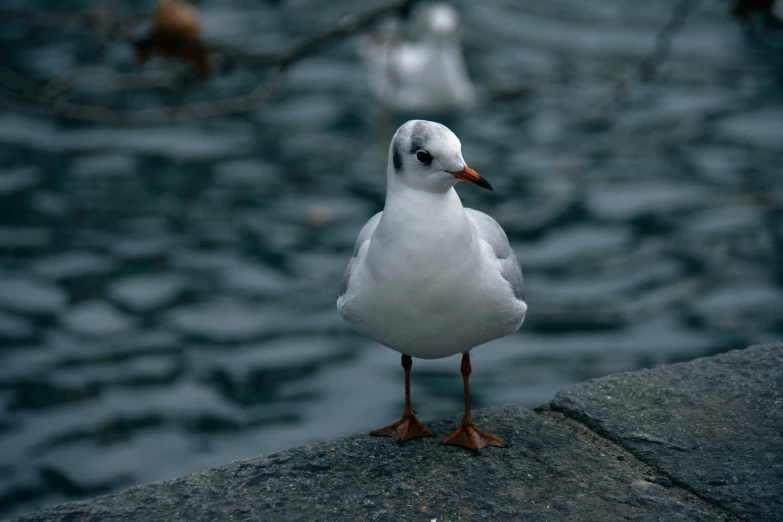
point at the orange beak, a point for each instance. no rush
(471, 176)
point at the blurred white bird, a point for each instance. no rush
(427, 73)
(430, 278)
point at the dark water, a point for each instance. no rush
(167, 295)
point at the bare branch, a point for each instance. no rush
(651, 63)
(645, 70)
(98, 21)
(30, 95)
(18, 82)
(157, 116)
(77, 20)
(648, 67)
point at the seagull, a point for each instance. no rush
(425, 74)
(428, 277)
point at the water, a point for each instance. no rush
(167, 295)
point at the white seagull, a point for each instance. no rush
(425, 74)
(428, 277)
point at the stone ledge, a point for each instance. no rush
(692, 441)
(714, 425)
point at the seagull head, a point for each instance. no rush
(427, 156)
(438, 20)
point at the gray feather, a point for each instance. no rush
(423, 132)
(512, 272)
(364, 236)
(489, 231)
(397, 157)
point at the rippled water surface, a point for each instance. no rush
(167, 295)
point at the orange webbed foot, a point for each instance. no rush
(469, 436)
(404, 429)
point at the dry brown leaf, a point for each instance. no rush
(177, 17)
(176, 34)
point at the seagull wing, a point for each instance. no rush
(364, 237)
(487, 229)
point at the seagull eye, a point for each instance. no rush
(424, 157)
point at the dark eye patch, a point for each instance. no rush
(424, 157)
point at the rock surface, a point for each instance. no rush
(692, 441)
(713, 426)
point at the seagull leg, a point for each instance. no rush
(409, 427)
(468, 435)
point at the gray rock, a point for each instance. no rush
(713, 425)
(547, 473)
(695, 441)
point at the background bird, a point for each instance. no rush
(425, 72)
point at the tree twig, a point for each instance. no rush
(649, 66)
(51, 97)
(77, 20)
